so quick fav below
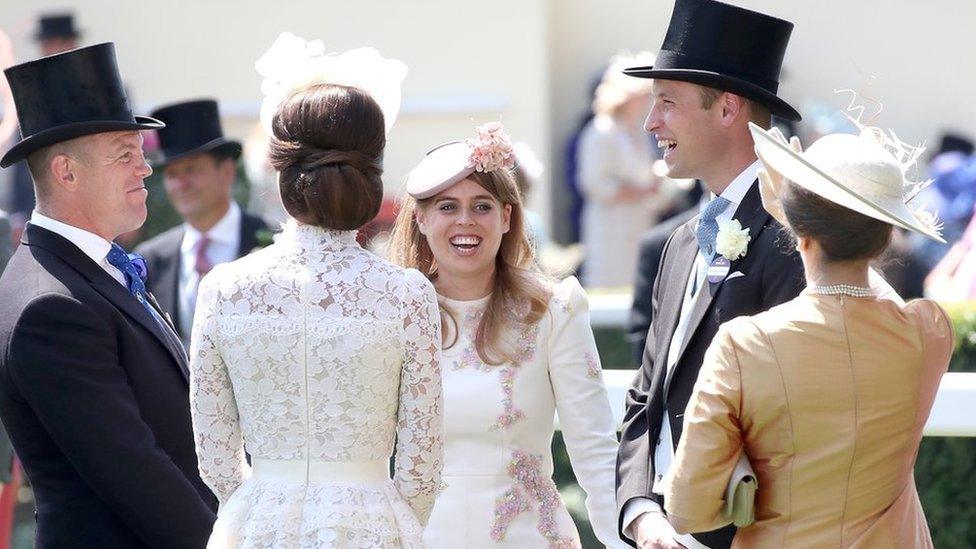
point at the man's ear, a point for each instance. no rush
(732, 106)
(228, 169)
(63, 171)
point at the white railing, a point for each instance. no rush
(953, 414)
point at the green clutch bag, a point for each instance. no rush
(740, 496)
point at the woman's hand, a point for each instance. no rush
(772, 183)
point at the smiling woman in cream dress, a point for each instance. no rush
(518, 349)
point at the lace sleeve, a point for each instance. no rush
(216, 426)
(584, 407)
(419, 451)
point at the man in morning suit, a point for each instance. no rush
(199, 167)
(717, 70)
(94, 386)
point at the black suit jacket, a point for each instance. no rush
(162, 255)
(772, 274)
(95, 396)
(649, 260)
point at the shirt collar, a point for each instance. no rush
(739, 186)
(225, 231)
(91, 244)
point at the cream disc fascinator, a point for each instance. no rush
(449, 163)
(293, 62)
(864, 173)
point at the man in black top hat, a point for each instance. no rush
(717, 70)
(56, 33)
(94, 385)
(199, 167)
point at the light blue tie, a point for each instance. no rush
(708, 227)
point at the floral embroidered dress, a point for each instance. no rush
(314, 355)
(498, 432)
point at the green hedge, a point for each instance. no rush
(945, 471)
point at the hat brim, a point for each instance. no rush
(40, 35)
(783, 159)
(442, 167)
(720, 81)
(58, 134)
(219, 145)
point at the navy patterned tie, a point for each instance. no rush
(118, 258)
(708, 227)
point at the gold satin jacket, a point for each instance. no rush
(827, 396)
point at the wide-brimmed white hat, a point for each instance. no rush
(857, 172)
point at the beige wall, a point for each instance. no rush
(463, 71)
(526, 62)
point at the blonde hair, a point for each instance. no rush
(519, 289)
(616, 88)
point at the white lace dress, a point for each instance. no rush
(314, 355)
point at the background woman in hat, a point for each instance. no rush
(616, 157)
(518, 347)
(316, 352)
(827, 394)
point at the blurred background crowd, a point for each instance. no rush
(601, 203)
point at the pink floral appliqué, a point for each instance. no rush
(525, 347)
(531, 489)
(491, 149)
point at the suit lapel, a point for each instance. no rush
(121, 298)
(167, 288)
(105, 285)
(248, 234)
(680, 261)
(751, 214)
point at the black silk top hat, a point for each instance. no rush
(951, 142)
(725, 47)
(192, 127)
(61, 25)
(69, 95)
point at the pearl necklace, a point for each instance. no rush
(842, 289)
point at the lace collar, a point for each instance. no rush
(310, 237)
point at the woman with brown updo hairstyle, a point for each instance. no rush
(315, 356)
(517, 348)
(825, 395)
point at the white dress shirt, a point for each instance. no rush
(90, 244)
(225, 239)
(664, 449)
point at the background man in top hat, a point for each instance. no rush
(56, 33)
(199, 167)
(717, 69)
(94, 386)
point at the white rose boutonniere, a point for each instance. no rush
(732, 240)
